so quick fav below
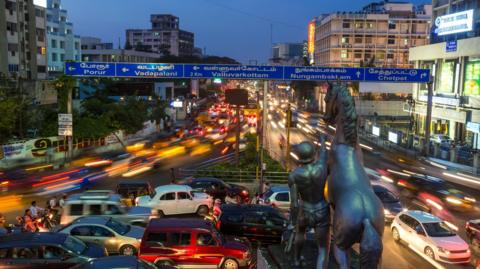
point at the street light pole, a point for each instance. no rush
(289, 123)
(264, 133)
(428, 121)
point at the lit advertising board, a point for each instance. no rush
(311, 37)
(376, 131)
(41, 3)
(393, 137)
(454, 23)
(472, 78)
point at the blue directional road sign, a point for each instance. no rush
(151, 70)
(88, 69)
(212, 71)
(323, 73)
(397, 75)
(233, 71)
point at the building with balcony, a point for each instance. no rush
(454, 61)
(165, 37)
(383, 31)
(63, 45)
(23, 45)
(94, 50)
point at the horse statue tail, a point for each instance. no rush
(371, 247)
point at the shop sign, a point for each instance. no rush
(441, 100)
(472, 78)
(473, 127)
(393, 137)
(454, 23)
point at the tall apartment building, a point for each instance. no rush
(94, 50)
(165, 37)
(63, 45)
(287, 54)
(23, 39)
(382, 30)
(454, 60)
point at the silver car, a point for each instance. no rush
(279, 197)
(104, 203)
(115, 236)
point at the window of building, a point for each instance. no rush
(62, 57)
(54, 57)
(405, 42)
(68, 32)
(55, 30)
(358, 25)
(392, 25)
(472, 78)
(390, 56)
(446, 77)
(41, 69)
(62, 44)
(346, 25)
(358, 55)
(358, 40)
(77, 45)
(368, 40)
(11, 27)
(369, 25)
(39, 13)
(345, 40)
(391, 41)
(380, 55)
(63, 19)
(54, 43)
(344, 54)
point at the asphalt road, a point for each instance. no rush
(394, 255)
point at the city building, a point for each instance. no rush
(23, 39)
(63, 45)
(164, 37)
(383, 31)
(454, 60)
(94, 50)
(287, 54)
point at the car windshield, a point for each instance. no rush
(75, 245)
(438, 229)
(153, 193)
(218, 235)
(267, 194)
(118, 227)
(387, 197)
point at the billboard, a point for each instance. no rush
(454, 23)
(472, 78)
(311, 37)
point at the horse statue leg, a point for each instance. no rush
(371, 247)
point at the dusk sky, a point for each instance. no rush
(235, 28)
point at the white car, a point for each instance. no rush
(176, 200)
(428, 234)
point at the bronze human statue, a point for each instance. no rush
(309, 208)
(358, 215)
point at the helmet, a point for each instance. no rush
(305, 152)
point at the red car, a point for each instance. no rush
(193, 243)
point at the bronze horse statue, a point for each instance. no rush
(358, 215)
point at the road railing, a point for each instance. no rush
(236, 176)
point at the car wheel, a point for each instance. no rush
(203, 210)
(160, 214)
(395, 235)
(128, 250)
(429, 252)
(230, 264)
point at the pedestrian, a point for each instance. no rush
(266, 187)
(61, 202)
(35, 210)
(28, 223)
(53, 202)
(256, 199)
(172, 175)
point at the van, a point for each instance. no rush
(193, 243)
(104, 203)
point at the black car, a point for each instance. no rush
(258, 223)
(391, 204)
(124, 262)
(217, 188)
(45, 250)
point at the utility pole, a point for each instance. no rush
(289, 123)
(237, 139)
(69, 111)
(264, 133)
(428, 121)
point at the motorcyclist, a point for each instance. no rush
(28, 222)
(231, 198)
(217, 210)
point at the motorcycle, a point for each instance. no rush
(46, 222)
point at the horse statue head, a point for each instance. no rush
(340, 111)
